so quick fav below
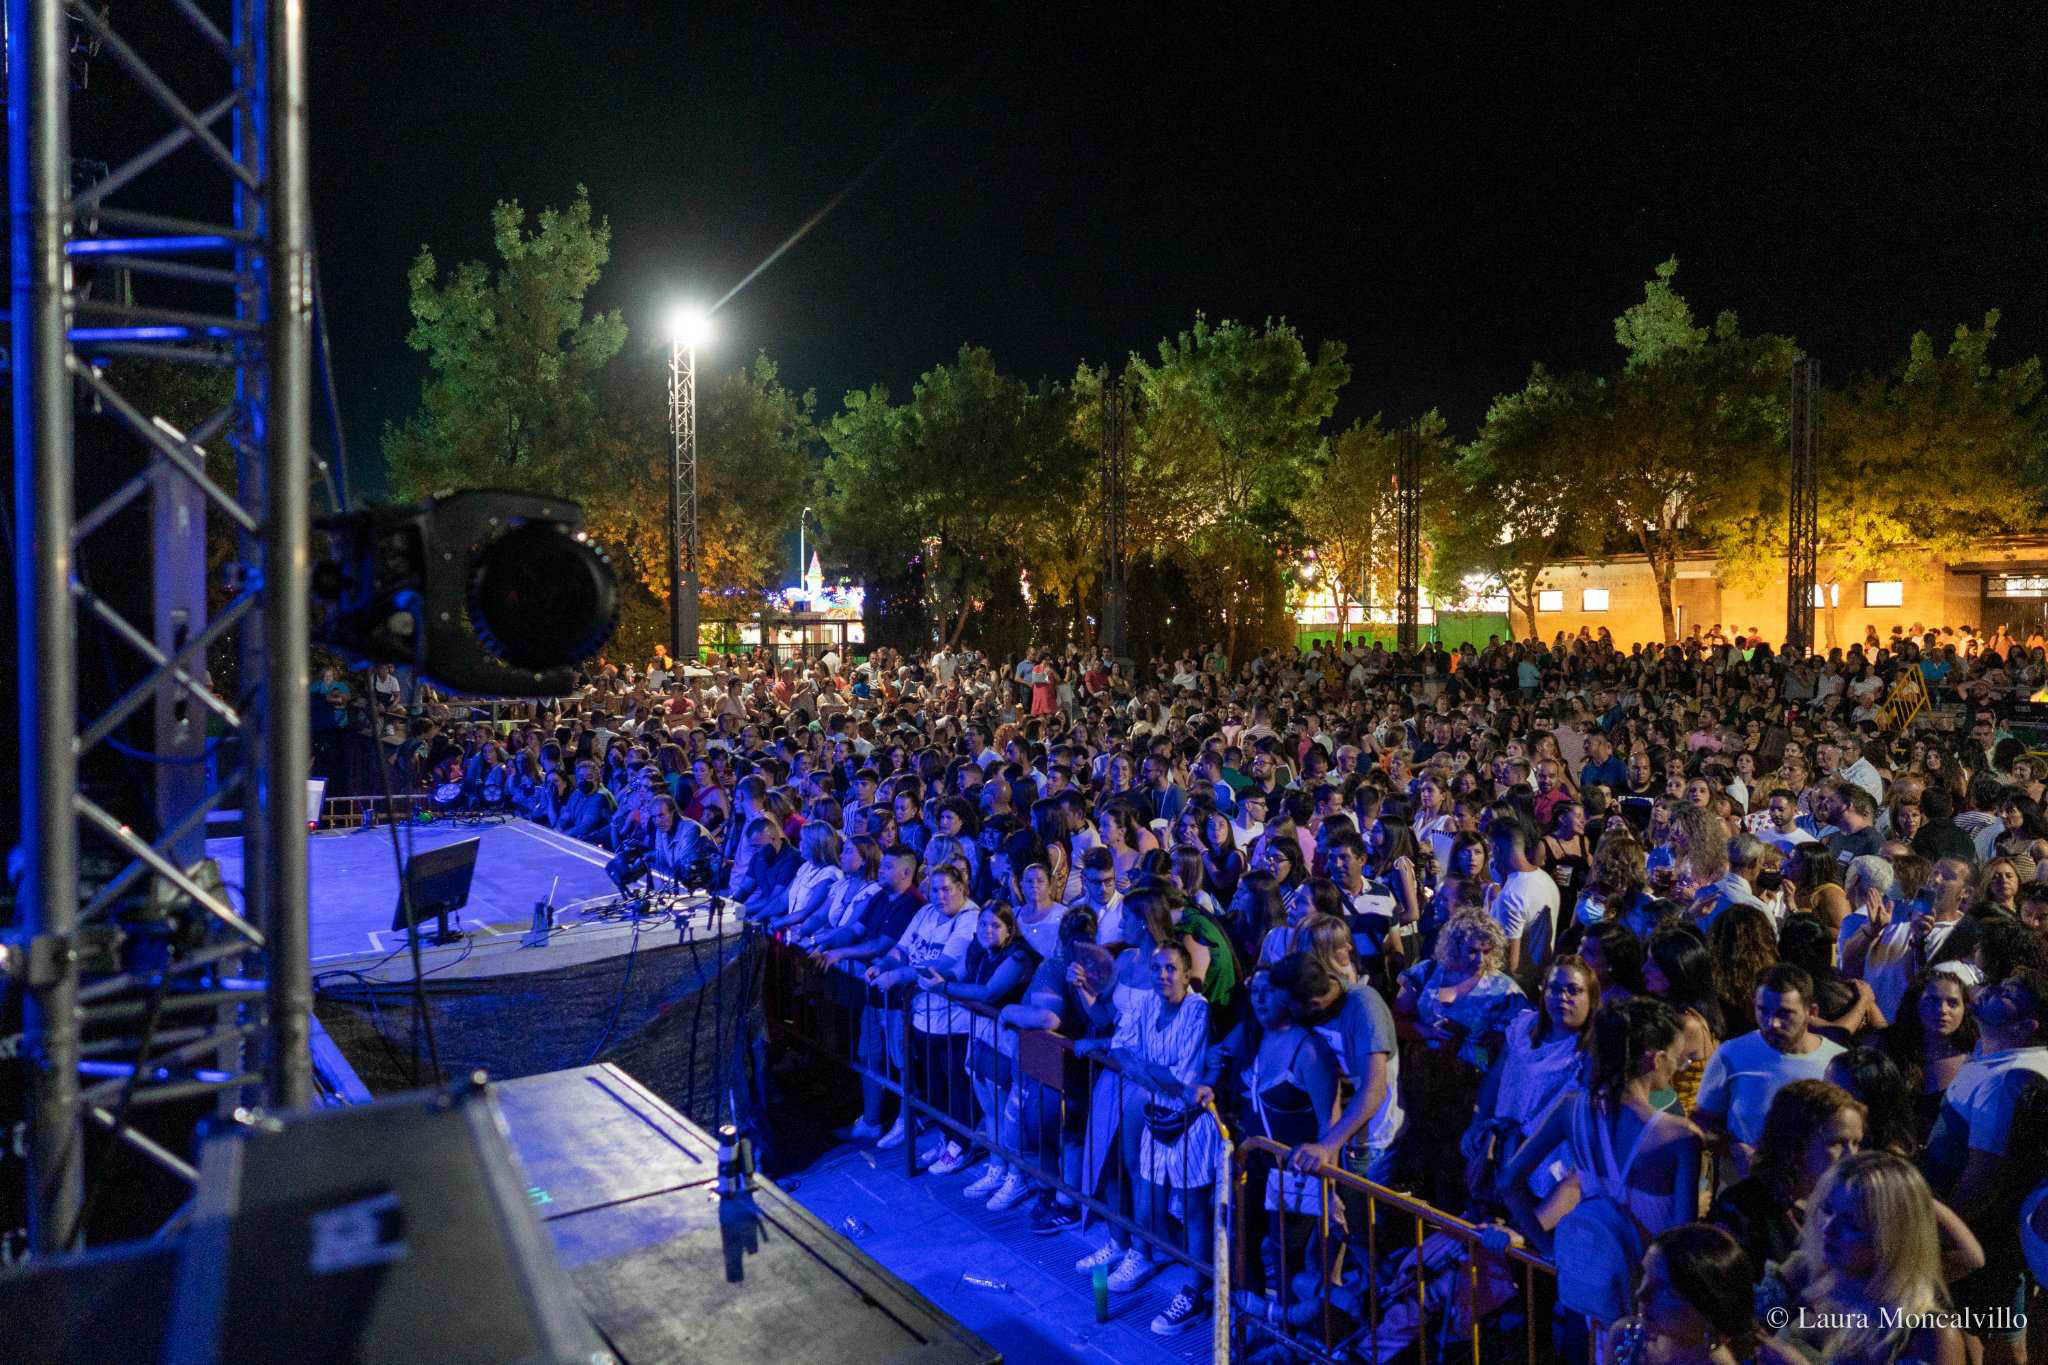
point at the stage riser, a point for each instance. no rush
(670, 1032)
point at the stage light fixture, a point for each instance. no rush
(486, 592)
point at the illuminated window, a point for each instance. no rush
(1829, 596)
(1594, 599)
(1550, 601)
(1883, 592)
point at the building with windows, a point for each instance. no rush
(1999, 581)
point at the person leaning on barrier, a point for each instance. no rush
(1357, 1025)
(810, 890)
(1161, 1046)
(1065, 996)
(887, 915)
(763, 888)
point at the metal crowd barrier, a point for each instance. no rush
(1425, 1283)
(355, 812)
(1071, 1122)
(1444, 1285)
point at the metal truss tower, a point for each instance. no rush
(1408, 549)
(221, 1004)
(685, 542)
(1116, 412)
(1802, 540)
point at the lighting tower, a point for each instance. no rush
(688, 328)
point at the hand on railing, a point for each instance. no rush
(1499, 1238)
(1313, 1158)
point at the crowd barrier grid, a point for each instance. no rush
(1463, 1277)
(1089, 1167)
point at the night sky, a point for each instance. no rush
(1453, 193)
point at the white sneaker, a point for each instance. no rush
(950, 1160)
(1014, 1190)
(894, 1137)
(1131, 1271)
(988, 1182)
(1109, 1253)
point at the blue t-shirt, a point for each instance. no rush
(1360, 1026)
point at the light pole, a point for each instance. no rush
(803, 564)
(688, 328)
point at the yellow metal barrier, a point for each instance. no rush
(1472, 1258)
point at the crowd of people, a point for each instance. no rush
(1691, 968)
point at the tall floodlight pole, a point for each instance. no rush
(1802, 543)
(688, 328)
(1408, 555)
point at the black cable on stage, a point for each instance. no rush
(369, 994)
(696, 1020)
(422, 1019)
(718, 1008)
(619, 1005)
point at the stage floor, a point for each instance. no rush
(354, 883)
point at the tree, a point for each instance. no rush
(1680, 438)
(525, 391)
(511, 397)
(1926, 458)
(1228, 432)
(956, 482)
(1349, 510)
(1526, 492)
(755, 444)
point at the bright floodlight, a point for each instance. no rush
(689, 326)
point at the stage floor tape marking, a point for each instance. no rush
(560, 843)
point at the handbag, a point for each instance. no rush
(1166, 1122)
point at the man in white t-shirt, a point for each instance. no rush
(1782, 830)
(1524, 903)
(1251, 820)
(1745, 1072)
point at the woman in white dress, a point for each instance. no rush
(1160, 1046)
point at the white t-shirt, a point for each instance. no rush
(1888, 966)
(1785, 843)
(1985, 1090)
(1745, 1072)
(1526, 908)
(934, 939)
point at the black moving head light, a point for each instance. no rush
(486, 592)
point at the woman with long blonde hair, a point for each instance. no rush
(1868, 1270)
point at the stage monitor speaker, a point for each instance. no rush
(399, 1230)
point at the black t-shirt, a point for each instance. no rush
(1846, 846)
(887, 916)
(1940, 839)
